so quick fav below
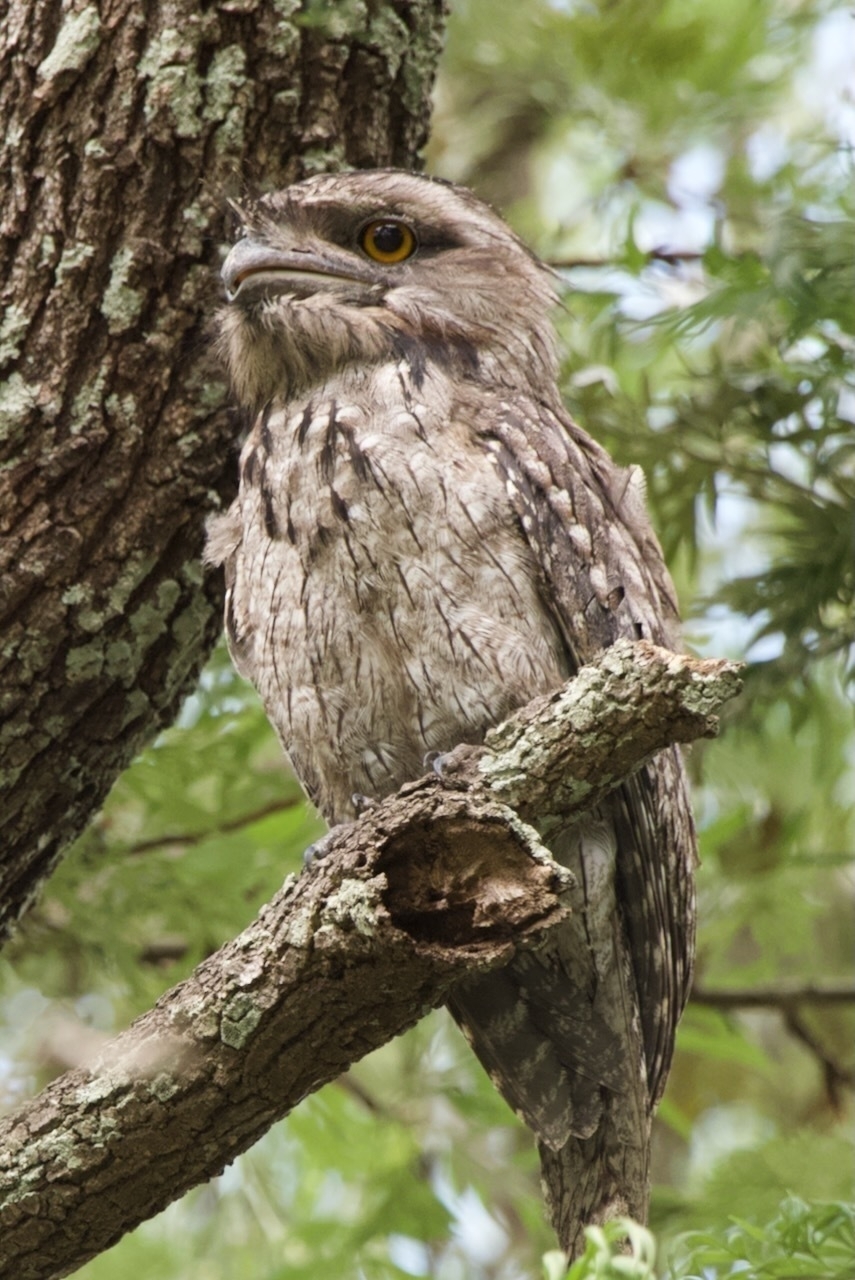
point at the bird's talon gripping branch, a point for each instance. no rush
(362, 803)
(315, 851)
(318, 849)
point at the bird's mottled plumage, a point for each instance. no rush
(424, 540)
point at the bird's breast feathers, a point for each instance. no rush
(382, 596)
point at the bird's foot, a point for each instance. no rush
(451, 767)
(319, 849)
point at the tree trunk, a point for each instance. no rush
(125, 129)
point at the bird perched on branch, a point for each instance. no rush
(423, 541)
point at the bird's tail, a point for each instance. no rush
(590, 1181)
(558, 1030)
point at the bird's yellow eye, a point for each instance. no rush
(387, 241)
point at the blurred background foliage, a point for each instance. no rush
(687, 168)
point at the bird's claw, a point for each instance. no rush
(435, 760)
(318, 849)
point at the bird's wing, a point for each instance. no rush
(603, 577)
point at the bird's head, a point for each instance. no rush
(360, 268)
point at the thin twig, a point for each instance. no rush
(835, 1075)
(671, 257)
(779, 995)
(186, 840)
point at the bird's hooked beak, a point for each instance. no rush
(254, 266)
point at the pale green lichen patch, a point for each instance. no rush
(86, 662)
(338, 21)
(174, 84)
(188, 443)
(168, 594)
(122, 407)
(135, 570)
(13, 326)
(300, 926)
(227, 92)
(17, 399)
(94, 1091)
(164, 1086)
(137, 705)
(76, 42)
(120, 660)
(147, 623)
(388, 32)
(201, 1019)
(195, 215)
(77, 594)
(239, 1020)
(191, 572)
(187, 626)
(226, 74)
(73, 256)
(91, 620)
(516, 754)
(211, 395)
(164, 51)
(354, 905)
(191, 243)
(34, 649)
(286, 34)
(121, 305)
(287, 8)
(288, 101)
(47, 249)
(89, 397)
(323, 159)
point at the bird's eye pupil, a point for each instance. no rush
(388, 237)
(388, 242)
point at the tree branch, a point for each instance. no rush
(788, 998)
(670, 257)
(777, 995)
(442, 879)
(835, 1075)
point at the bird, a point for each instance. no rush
(423, 541)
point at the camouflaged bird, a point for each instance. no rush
(423, 541)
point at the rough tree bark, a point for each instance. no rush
(124, 128)
(437, 881)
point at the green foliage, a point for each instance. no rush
(737, 396)
(736, 381)
(799, 1242)
(622, 1250)
(195, 836)
(686, 168)
(802, 1242)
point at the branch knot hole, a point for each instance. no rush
(464, 879)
